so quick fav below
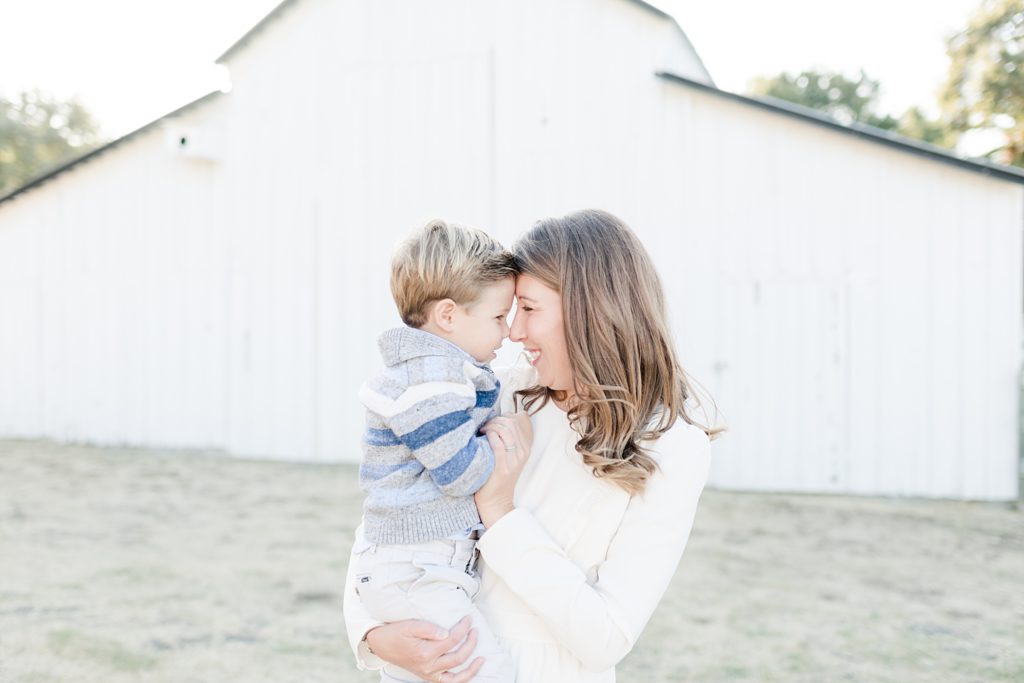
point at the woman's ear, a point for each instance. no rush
(442, 314)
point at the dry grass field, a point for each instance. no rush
(121, 565)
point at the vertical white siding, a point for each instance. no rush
(867, 327)
(21, 350)
(116, 268)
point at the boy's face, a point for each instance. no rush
(481, 327)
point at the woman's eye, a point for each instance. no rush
(527, 308)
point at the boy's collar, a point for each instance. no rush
(404, 343)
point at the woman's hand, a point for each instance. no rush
(511, 439)
(426, 649)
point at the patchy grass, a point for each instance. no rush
(124, 565)
(73, 645)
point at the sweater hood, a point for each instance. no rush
(404, 343)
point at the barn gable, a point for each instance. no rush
(323, 23)
(700, 73)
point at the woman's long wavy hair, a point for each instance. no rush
(629, 385)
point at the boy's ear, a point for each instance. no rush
(442, 314)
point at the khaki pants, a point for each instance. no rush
(435, 581)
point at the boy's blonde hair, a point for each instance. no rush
(445, 261)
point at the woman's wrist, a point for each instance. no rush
(366, 639)
(490, 514)
(366, 656)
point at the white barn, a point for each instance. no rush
(217, 279)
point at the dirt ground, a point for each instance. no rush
(122, 565)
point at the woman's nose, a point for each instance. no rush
(517, 332)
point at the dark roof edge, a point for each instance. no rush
(657, 10)
(859, 130)
(238, 44)
(54, 172)
(665, 15)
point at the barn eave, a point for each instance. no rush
(52, 173)
(860, 130)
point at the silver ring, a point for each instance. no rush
(511, 447)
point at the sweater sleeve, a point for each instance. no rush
(438, 422)
(600, 621)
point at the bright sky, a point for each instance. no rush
(131, 61)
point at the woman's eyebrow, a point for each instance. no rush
(525, 298)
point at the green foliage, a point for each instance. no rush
(985, 87)
(39, 132)
(915, 124)
(845, 99)
(851, 100)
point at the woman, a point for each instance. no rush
(577, 555)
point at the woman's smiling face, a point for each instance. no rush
(539, 328)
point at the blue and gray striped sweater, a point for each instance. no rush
(423, 458)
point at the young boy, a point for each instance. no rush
(423, 454)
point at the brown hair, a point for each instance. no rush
(629, 385)
(445, 261)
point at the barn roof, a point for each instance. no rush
(278, 10)
(860, 130)
(251, 33)
(52, 173)
(285, 4)
(798, 112)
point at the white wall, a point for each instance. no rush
(112, 328)
(865, 306)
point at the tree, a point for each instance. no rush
(848, 100)
(916, 124)
(39, 132)
(985, 87)
(845, 99)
